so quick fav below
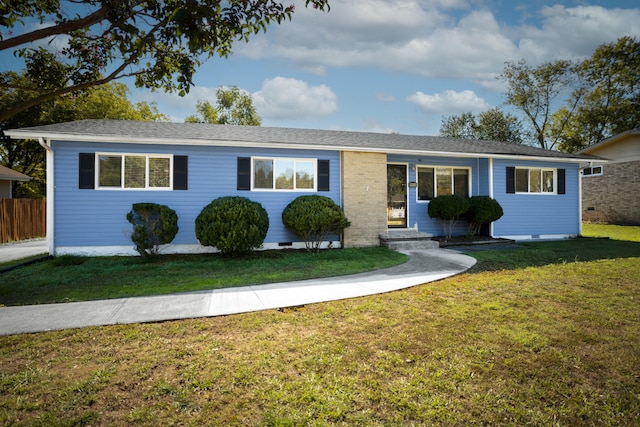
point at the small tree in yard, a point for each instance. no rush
(234, 225)
(482, 210)
(153, 225)
(312, 218)
(448, 210)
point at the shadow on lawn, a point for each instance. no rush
(535, 254)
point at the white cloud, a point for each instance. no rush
(571, 33)
(444, 39)
(449, 102)
(283, 98)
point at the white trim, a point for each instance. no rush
(295, 161)
(17, 134)
(594, 167)
(406, 192)
(579, 204)
(537, 237)
(469, 169)
(490, 172)
(536, 193)
(50, 218)
(123, 156)
(129, 250)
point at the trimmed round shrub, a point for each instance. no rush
(153, 225)
(448, 209)
(312, 218)
(482, 210)
(235, 225)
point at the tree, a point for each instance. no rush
(535, 92)
(492, 125)
(233, 107)
(103, 102)
(607, 99)
(462, 126)
(158, 42)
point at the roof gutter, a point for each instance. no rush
(18, 134)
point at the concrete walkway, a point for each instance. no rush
(424, 266)
(22, 249)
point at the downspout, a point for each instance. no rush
(580, 200)
(491, 191)
(50, 194)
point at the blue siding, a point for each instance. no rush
(97, 217)
(524, 214)
(417, 210)
(537, 214)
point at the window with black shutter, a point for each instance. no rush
(87, 173)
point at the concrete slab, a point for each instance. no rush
(23, 249)
(424, 266)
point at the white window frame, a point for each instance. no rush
(542, 171)
(435, 183)
(122, 186)
(591, 170)
(295, 161)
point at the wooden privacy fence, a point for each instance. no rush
(22, 219)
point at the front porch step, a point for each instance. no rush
(407, 240)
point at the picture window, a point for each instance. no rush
(133, 171)
(284, 174)
(442, 181)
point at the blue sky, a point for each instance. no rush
(399, 65)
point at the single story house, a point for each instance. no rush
(7, 178)
(610, 191)
(96, 169)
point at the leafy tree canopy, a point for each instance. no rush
(233, 107)
(535, 92)
(492, 124)
(571, 105)
(158, 42)
(607, 98)
(103, 102)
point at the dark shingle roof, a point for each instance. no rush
(207, 134)
(11, 175)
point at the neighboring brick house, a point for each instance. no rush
(611, 192)
(96, 169)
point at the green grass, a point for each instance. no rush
(72, 278)
(556, 252)
(543, 345)
(616, 232)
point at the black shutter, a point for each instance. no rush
(511, 179)
(323, 175)
(180, 172)
(86, 171)
(561, 181)
(244, 173)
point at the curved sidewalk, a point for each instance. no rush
(424, 266)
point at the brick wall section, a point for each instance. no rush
(613, 197)
(364, 197)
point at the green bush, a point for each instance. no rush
(312, 218)
(153, 225)
(482, 210)
(235, 225)
(448, 209)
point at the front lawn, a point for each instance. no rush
(547, 345)
(72, 278)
